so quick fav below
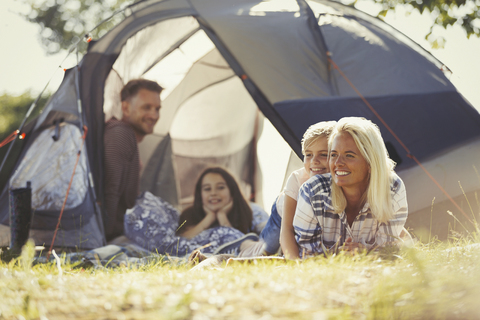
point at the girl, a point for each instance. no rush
(361, 205)
(219, 215)
(218, 201)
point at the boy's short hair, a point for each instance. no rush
(133, 86)
(315, 131)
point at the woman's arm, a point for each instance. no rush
(287, 234)
(389, 232)
(308, 232)
(206, 222)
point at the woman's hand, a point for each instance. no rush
(222, 215)
(352, 247)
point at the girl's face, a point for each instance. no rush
(315, 159)
(348, 167)
(215, 192)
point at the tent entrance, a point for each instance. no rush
(207, 116)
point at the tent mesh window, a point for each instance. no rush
(49, 164)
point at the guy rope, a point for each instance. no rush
(409, 154)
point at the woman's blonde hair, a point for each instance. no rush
(369, 141)
(315, 131)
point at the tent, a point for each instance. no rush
(225, 65)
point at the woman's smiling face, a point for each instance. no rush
(348, 167)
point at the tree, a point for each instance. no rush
(65, 22)
(14, 108)
(465, 13)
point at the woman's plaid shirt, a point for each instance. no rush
(318, 227)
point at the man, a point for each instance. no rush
(141, 110)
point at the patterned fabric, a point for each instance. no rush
(122, 170)
(152, 223)
(260, 218)
(317, 226)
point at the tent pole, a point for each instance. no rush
(320, 41)
(262, 102)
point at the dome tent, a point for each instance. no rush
(220, 62)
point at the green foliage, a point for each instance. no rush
(63, 23)
(13, 109)
(465, 13)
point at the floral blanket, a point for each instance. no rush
(152, 223)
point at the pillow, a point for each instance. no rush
(152, 222)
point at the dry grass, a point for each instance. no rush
(437, 281)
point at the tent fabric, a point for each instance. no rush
(420, 129)
(47, 162)
(211, 69)
(324, 7)
(227, 64)
(244, 26)
(86, 235)
(377, 50)
(157, 176)
(63, 104)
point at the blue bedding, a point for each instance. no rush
(152, 223)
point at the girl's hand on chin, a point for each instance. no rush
(209, 213)
(223, 213)
(226, 209)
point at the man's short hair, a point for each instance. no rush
(133, 86)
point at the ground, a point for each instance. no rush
(434, 281)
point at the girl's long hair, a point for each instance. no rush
(369, 141)
(240, 216)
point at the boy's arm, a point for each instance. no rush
(308, 232)
(287, 234)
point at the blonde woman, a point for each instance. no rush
(361, 205)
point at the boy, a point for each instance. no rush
(279, 227)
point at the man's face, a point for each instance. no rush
(142, 111)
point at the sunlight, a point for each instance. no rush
(172, 69)
(274, 6)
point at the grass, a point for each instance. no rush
(429, 281)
